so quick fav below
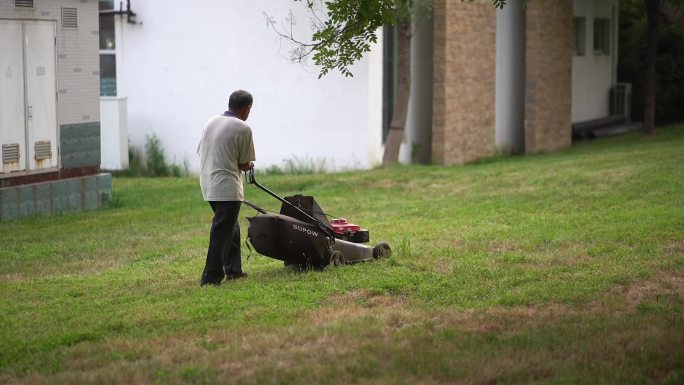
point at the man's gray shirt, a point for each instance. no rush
(226, 142)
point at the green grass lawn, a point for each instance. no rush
(555, 268)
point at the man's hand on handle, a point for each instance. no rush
(246, 166)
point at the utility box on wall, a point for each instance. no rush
(49, 108)
(114, 133)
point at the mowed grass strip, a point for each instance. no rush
(561, 268)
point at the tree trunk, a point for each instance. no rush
(652, 8)
(396, 132)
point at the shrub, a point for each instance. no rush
(305, 165)
(151, 162)
(154, 154)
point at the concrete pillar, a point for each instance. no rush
(418, 144)
(510, 78)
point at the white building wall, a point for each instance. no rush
(592, 74)
(180, 65)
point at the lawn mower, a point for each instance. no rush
(301, 235)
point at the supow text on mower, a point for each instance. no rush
(305, 230)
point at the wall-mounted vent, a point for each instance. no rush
(69, 17)
(43, 150)
(10, 153)
(23, 3)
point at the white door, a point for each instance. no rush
(28, 101)
(41, 108)
(12, 123)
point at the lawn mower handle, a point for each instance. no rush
(325, 228)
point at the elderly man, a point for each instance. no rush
(226, 149)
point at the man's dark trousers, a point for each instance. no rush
(223, 255)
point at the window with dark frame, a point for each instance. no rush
(601, 36)
(107, 50)
(580, 27)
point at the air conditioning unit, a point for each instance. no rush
(621, 101)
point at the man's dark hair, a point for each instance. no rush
(239, 99)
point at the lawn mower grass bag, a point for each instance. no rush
(301, 235)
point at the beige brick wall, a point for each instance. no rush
(464, 81)
(548, 84)
(78, 62)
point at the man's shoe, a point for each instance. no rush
(235, 276)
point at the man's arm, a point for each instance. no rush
(246, 152)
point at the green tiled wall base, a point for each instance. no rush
(85, 193)
(80, 144)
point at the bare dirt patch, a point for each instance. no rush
(444, 265)
(674, 249)
(640, 291)
(356, 304)
(386, 183)
(618, 300)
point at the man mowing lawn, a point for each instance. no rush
(226, 149)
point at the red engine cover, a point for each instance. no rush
(341, 226)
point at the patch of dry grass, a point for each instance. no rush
(365, 337)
